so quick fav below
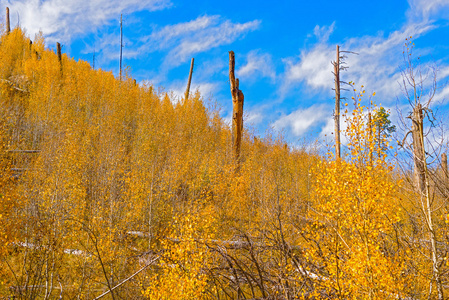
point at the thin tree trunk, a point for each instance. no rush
(418, 150)
(58, 51)
(337, 105)
(189, 81)
(444, 177)
(8, 24)
(121, 45)
(237, 108)
(444, 169)
(371, 138)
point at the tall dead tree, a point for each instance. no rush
(422, 176)
(8, 24)
(415, 89)
(189, 81)
(237, 108)
(121, 44)
(337, 105)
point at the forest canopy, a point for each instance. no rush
(112, 189)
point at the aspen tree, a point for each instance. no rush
(356, 207)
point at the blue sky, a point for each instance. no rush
(283, 49)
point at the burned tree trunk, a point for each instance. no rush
(237, 108)
(58, 51)
(8, 24)
(189, 81)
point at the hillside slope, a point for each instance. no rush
(111, 187)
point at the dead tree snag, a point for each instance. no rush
(189, 81)
(237, 108)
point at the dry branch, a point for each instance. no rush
(13, 86)
(129, 278)
(23, 151)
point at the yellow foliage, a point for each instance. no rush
(123, 171)
(183, 265)
(357, 206)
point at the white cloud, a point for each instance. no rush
(178, 43)
(443, 72)
(442, 95)
(327, 131)
(257, 64)
(189, 38)
(61, 20)
(322, 33)
(375, 66)
(301, 120)
(426, 9)
(165, 36)
(206, 89)
(254, 117)
(314, 68)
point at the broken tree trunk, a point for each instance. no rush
(444, 168)
(58, 51)
(237, 108)
(189, 81)
(445, 174)
(337, 105)
(8, 26)
(418, 149)
(421, 177)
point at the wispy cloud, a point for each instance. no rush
(177, 43)
(376, 64)
(322, 33)
(183, 40)
(426, 9)
(314, 67)
(63, 20)
(206, 89)
(301, 120)
(257, 65)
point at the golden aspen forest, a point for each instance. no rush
(114, 190)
